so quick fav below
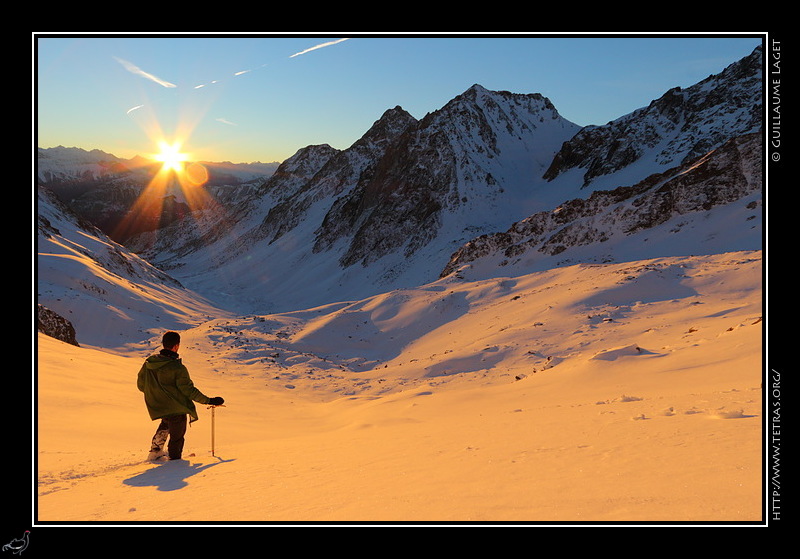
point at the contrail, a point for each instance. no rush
(323, 45)
(212, 82)
(132, 68)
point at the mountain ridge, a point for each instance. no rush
(393, 208)
(724, 175)
(694, 117)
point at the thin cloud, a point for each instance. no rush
(320, 46)
(137, 107)
(226, 121)
(133, 69)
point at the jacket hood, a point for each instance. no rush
(159, 360)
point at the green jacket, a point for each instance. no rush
(167, 388)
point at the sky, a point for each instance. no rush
(246, 98)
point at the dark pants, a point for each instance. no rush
(174, 427)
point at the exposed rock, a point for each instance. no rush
(722, 176)
(439, 165)
(54, 325)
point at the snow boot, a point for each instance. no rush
(157, 446)
(157, 455)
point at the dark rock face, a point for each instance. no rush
(397, 203)
(54, 325)
(428, 169)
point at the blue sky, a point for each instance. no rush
(261, 98)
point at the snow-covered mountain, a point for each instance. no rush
(381, 214)
(104, 188)
(492, 174)
(60, 168)
(389, 211)
(64, 165)
(685, 176)
(681, 126)
(707, 206)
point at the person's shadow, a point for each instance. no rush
(170, 475)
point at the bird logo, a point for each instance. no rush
(18, 545)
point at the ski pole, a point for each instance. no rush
(212, 428)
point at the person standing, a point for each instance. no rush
(169, 395)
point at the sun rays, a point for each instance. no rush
(174, 192)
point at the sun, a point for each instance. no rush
(179, 179)
(170, 156)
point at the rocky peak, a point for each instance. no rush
(319, 173)
(297, 170)
(449, 161)
(386, 129)
(681, 125)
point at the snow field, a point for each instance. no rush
(576, 394)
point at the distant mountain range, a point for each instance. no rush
(104, 188)
(493, 183)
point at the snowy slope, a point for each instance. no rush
(626, 392)
(617, 392)
(110, 295)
